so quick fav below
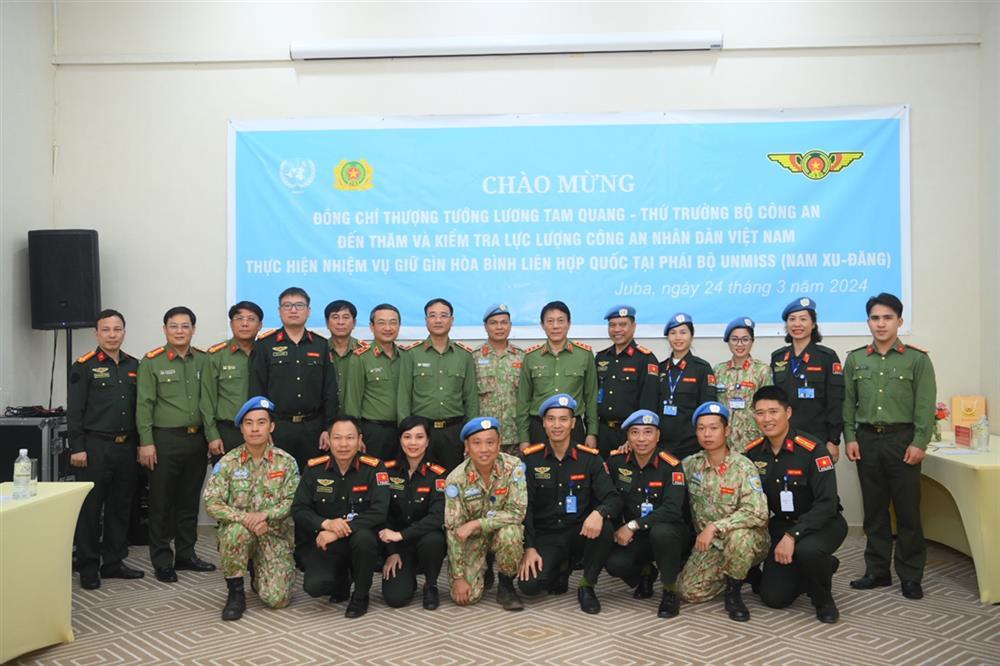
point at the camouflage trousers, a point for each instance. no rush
(506, 543)
(271, 553)
(704, 575)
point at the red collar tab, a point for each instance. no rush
(280, 337)
(101, 356)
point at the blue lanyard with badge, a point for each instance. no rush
(571, 500)
(352, 514)
(646, 507)
(669, 408)
(786, 499)
(805, 391)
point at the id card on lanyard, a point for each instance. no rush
(669, 408)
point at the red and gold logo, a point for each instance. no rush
(814, 164)
(353, 175)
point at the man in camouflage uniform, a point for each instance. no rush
(250, 495)
(729, 512)
(498, 373)
(485, 502)
(737, 379)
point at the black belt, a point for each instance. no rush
(385, 424)
(614, 425)
(441, 424)
(117, 438)
(297, 418)
(188, 430)
(881, 428)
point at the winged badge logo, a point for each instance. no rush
(815, 164)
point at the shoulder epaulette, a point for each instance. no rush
(861, 348)
(514, 348)
(644, 350)
(464, 346)
(583, 345)
(533, 449)
(588, 449)
(410, 346)
(198, 349)
(666, 457)
(780, 351)
(155, 352)
(754, 443)
(437, 469)
(361, 350)
(826, 350)
(86, 357)
(364, 343)
(318, 461)
(806, 444)
(371, 461)
(218, 347)
(534, 348)
(267, 333)
(389, 464)
(919, 349)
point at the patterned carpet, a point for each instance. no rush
(145, 622)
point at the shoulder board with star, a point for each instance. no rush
(780, 352)
(514, 349)
(389, 464)
(319, 460)
(805, 443)
(533, 348)
(219, 347)
(669, 459)
(411, 345)
(437, 469)
(155, 352)
(645, 350)
(462, 345)
(267, 333)
(86, 357)
(754, 443)
(361, 350)
(914, 347)
(371, 461)
(583, 345)
(533, 449)
(588, 449)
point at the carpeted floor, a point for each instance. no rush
(146, 622)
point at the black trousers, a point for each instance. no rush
(536, 431)
(446, 447)
(174, 494)
(609, 439)
(667, 544)
(811, 569)
(231, 437)
(567, 546)
(301, 440)
(423, 556)
(355, 556)
(381, 439)
(112, 469)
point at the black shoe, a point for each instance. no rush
(356, 607)
(236, 602)
(507, 595)
(560, 584)
(669, 605)
(827, 613)
(167, 575)
(868, 582)
(432, 599)
(737, 610)
(911, 589)
(120, 570)
(341, 589)
(90, 581)
(644, 590)
(488, 577)
(753, 577)
(193, 564)
(589, 603)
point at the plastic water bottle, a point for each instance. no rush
(22, 476)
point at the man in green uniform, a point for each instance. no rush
(100, 421)
(341, 317)
(628, 379)
(226, 379)
(498, 372)
(729, 512)
(291, 367)
(557, 366)
(737, 379)
(888, 421)
(437, 380)
(172, 445)
(485, 502)
(341, 502)
(373, 383)
(250, 495)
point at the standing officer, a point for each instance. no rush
(889, 419)
(571, 503)
(342, 501)
(655, 525)
(226, 379)
(628, 377)
(729, 511)
(172, 444)
(738, 378)
(291, 367)
(498, 373)
(373, 384)
(806, 524)
(811, 375)
(485, 501)
(250, 495)
(100, 421)
(686, 382)
(341, 317)
(437, 380)
(557, 366)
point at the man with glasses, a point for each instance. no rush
(341, 317)
(226, 379)
(291, 366)
(498, 371)
(373, 380)
(738, 378)
(437, 381)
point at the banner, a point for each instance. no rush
(716, 214)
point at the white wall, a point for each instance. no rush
(990, 187)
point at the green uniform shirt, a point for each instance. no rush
(735, 386)
(340, 366)
(240, 485)
(372, 383)
(436, 385)
(169, 391)
(101, 397)
(225, 385)
(497, 377)
(546, 374)
(898, 387)
(731, 496)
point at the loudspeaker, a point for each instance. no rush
(65, 278)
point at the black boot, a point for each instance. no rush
(753, 577)
(507, 595)
(488, 575)
(644, 590)
(737, 610)
(236, 602)
(669, 605)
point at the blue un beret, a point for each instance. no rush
(558, 400)
(495, 309)
(804, 303)
(256, 402)
(641, 417)
(620, 311)
(711, 407)
(739, 322)
(678, 319)
(479, 424)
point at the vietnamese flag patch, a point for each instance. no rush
(382, 478)
(440, 484)
(824, 464)
(678, 479)
(837, 369)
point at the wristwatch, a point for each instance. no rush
(633, 525)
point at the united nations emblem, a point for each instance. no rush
(353, 175)
(297, 174)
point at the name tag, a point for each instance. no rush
(241, 474)
(807, 393)
(737, 403)
(787, 503)
(276, 474)
(570, 503)
(645, 509)
(484, 361)
(669, 410)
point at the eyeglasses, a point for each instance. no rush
(740, 341)
(179, 327)
(246, 320)
(298, 305)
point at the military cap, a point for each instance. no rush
(495, 309)
(479, 424)
(710, 408)
(559, 400)
(677, 320)
(620, 311)
(739, 322)
(799, 304)
(641, 417)
(256, 402)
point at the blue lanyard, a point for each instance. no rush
(795, 369)
(672, 383)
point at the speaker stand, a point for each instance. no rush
(69, 361)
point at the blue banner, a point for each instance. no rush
(717, 214)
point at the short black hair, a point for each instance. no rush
(815, 336)
(888, 300)
(246, 305)
(294, 291)
(775, 393)
(337, 306)
(414, 421)
(555, 305)
(383, 306)
(345, 418)
(179, 310)
(104, 314)
(433, 301)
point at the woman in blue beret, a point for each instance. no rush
(686, 381)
